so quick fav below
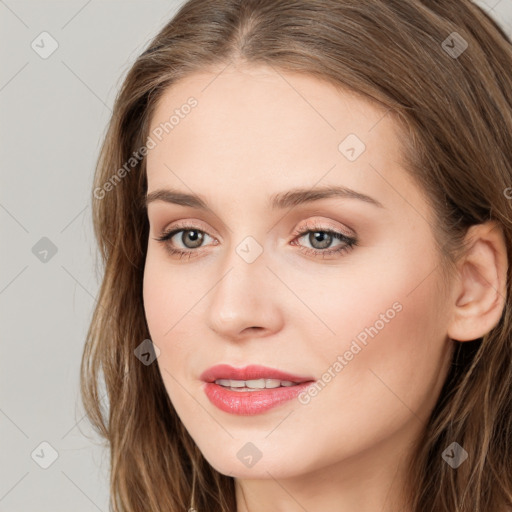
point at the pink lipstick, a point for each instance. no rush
(251, 390)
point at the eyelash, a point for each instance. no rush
(350, 242)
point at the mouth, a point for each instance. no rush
(251, 390)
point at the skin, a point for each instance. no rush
(256, 132)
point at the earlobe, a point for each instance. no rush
(481, 287)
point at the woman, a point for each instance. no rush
(303, 210)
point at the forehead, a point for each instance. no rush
(266, 101)
(257, 127)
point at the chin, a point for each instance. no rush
(266, 467)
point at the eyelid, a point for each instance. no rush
(186, 224)
(323, 225)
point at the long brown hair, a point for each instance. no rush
(454, 108)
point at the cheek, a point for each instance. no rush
(157, 303)
(392, 337)
(168, 295)
(161, 310)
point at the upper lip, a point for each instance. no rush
(251, 372)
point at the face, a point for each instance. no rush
(343, 290)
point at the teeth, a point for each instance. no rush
(237, 385)
(259, 383)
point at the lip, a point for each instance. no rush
(251, 372)
(247, 403)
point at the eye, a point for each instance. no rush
(320, 237)
(191, 238)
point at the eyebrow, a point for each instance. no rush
(280, 200)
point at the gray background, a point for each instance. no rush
(54, 113)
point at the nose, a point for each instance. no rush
(244, 302)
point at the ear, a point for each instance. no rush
(481, 288)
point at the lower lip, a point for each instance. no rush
(247, 403)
